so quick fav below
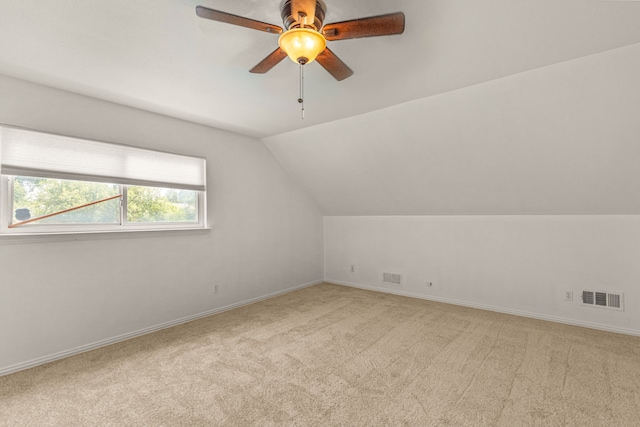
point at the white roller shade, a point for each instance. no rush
(30, 153)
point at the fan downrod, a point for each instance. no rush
(291, 21)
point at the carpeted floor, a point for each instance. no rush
(331, 355)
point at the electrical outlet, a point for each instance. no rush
(216, 289)
(353, 268)
(568, 296)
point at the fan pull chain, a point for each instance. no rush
(301, 99)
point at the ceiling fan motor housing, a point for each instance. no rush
(291, 21)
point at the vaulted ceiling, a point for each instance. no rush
(480, 107)
(563, 139)
(159, 56)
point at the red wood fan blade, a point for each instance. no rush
(269, 62)
(307, 7)
(334, 65)
(228, 18)
(383, 25)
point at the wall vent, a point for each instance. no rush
(392, 279)
(602, 299)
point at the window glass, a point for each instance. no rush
(152, 204)
(40, 197)
(52, 183)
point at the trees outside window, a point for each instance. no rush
(34, 197)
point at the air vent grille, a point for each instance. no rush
(614, 301)
(392, 279)
(587, 297)
(603, 299)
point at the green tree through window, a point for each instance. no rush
(149, 204)
(44, 196)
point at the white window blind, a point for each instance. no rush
(30, 153)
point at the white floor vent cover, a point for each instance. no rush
(613, 301)
(392, 279)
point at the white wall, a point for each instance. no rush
(556, 147)
(61, 293)
(516, 264)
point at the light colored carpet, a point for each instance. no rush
(331, 355)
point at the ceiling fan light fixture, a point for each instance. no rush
(302, 45)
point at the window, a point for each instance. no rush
(57, 184)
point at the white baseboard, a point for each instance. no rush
(102, 343)
(556, 319)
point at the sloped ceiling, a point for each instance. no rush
(480, 107)
(159, 56)
(562, 139)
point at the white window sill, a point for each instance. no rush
(13, 238)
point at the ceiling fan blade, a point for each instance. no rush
(269, 62)
(334, 65)
(216, 15)
(307, 7)
(382, 25)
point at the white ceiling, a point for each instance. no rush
(562, 139)
(480, 107)
(159, 56)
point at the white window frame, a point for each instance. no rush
(7, 208)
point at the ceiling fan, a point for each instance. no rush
(305, 38)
